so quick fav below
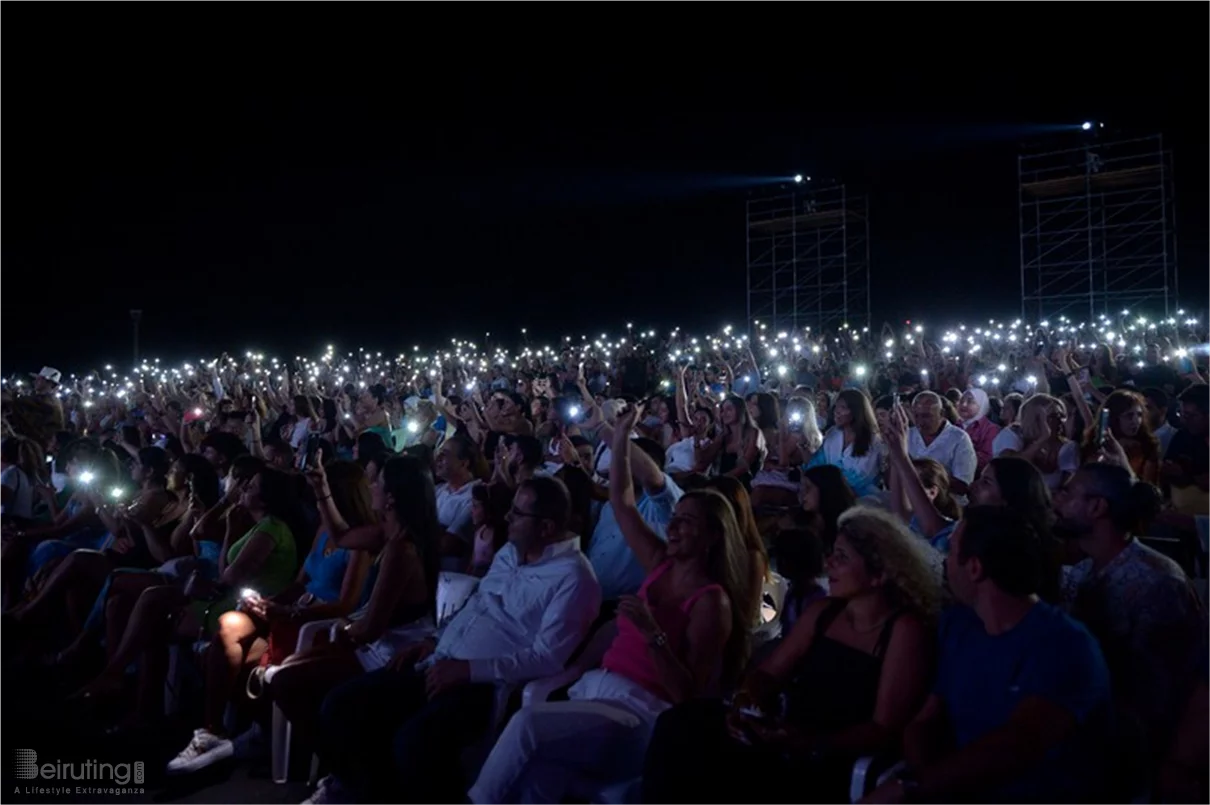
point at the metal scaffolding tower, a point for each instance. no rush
(808, 258)
(1098, 231)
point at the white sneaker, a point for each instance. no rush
(330, 791)
(250, 744)
(205, 749)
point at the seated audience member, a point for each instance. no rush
(1157, 417)
(612, 559)
(518, 459)
(401, 729)
(1015, 483)
(1042, 439)
(1128, 424)
(489, 508)
(681, 637)
(86, 577)
(1186, 467)
(799, 554)
(738, 447)
(330, 584)
(853, 444)
(28, 550)
(1136, 601)
(851, 674)
(459, 465)
(1009, 437)
(823, 495)
(754, 544)
(404, 578)
(934, 437)
(263, 559)
(973, 409)
(1021, 703)
(791, 444)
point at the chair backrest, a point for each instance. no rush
(774, 589)
(453, 591)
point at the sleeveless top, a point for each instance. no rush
(836, 686)
(326, 572)
(629, 655)
(275, 573)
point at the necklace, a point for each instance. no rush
(878, 625)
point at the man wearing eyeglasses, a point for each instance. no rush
(406, 724)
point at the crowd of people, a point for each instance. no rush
(695, 569)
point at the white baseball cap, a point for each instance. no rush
(53, 375)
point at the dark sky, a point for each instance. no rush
(351, 173)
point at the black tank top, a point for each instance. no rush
(836, 686)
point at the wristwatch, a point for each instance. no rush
(659, 640)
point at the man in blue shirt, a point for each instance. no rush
(617, 569)
(1021, 707)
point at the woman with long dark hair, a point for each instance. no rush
(402, 593)
(853, 444)
(738, 445)
(330, 584)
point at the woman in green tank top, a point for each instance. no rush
(265, 559)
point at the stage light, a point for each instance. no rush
(798, 178)
(1086, 125)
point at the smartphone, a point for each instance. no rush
(308, 456)
(1102, 427)
(795, 420)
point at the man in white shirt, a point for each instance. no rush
(395, 735)
(455, 467)
(933, 437)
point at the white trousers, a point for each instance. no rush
(548, 750)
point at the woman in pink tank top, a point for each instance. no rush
(678, 639)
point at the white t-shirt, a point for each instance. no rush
(454, 510)
(680, 457)
(302, 429)
(1068, 460)
(1007, 439)
(22, 503)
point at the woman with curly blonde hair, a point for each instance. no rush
(844, 683)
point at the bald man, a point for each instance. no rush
(934, 437)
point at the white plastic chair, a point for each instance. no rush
(859, 782)
(283, 732)
(775, 589)
(615, 792)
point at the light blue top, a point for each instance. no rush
(615, 564)
(325, 574)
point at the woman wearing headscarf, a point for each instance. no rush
(972, 415)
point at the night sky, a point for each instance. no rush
(284, 176)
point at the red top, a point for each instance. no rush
(629, 656)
